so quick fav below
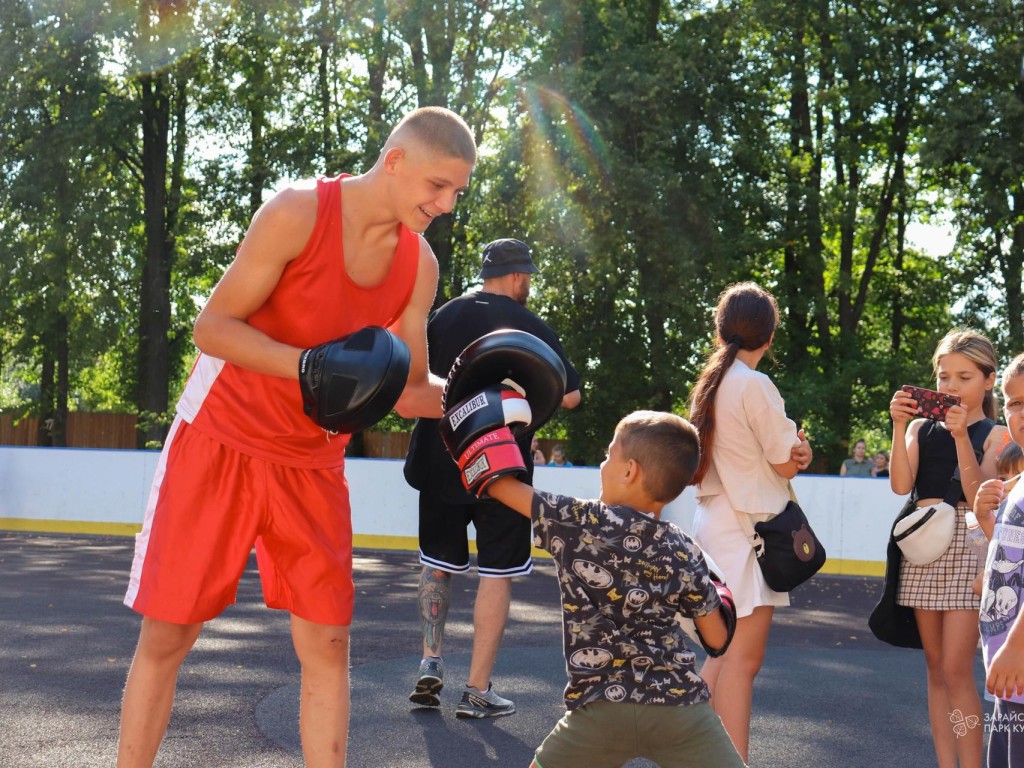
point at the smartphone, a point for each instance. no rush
(931, 404)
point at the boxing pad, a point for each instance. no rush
(518, 359)
(353, 382)
(727, 609)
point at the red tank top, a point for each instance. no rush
(314, 301)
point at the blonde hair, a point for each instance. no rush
(665, 446)
(438, 129)
(976, 348)
(1013, 462)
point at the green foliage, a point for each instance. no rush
(65, 242)
(651, 153)
(150, 421)
(624, 179)
(974, 150)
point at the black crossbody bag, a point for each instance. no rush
(787, 550)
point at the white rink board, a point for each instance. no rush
(71, 489)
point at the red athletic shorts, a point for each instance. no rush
(209, 506)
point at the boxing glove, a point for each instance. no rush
(477, 435)
(509, 354)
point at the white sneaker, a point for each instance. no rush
(486, 704)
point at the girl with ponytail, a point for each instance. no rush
(749, 450)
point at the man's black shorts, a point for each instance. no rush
(503, 537)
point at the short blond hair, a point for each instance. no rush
(438, 129)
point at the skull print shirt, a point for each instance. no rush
(1004, 577)
(626, 582)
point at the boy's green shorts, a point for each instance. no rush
(611, 734)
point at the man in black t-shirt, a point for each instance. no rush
(503, 537)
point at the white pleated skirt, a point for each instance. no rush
(717, 530)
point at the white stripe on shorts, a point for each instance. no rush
(504, 573)
(142, 537)
(441, 565)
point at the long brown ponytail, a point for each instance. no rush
(745, 318)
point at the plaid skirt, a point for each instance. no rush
(944, 584)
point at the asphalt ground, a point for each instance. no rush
(829, 695)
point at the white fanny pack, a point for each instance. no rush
(924, 534)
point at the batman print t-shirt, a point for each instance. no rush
(625, 580)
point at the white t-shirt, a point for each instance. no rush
(752, 432)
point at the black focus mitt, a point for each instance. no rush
(514, 358)
(353, 382)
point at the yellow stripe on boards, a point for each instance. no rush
(68, 526)
(833, 566)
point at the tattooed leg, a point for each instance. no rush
(434, 597)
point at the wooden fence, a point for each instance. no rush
(117, 430)
(386, 445)
(84, 430)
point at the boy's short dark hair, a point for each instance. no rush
(666, 447)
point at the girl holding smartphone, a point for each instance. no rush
(925, 454)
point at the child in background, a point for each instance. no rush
(999, 507)
(881, 468)
(1009, 464)
(539, 459)
(558, 457)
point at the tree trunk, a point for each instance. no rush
(46, 400)
(1012, 263)
(896, 333)
(59, 429)
(163, 98)
(377, 69)
(439, 235)
(799, 139)
(57, 328)
(258, 173)
(327, 41)
(154, 296)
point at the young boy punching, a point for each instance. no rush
(629, 582)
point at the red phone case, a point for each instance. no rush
(931, 404)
